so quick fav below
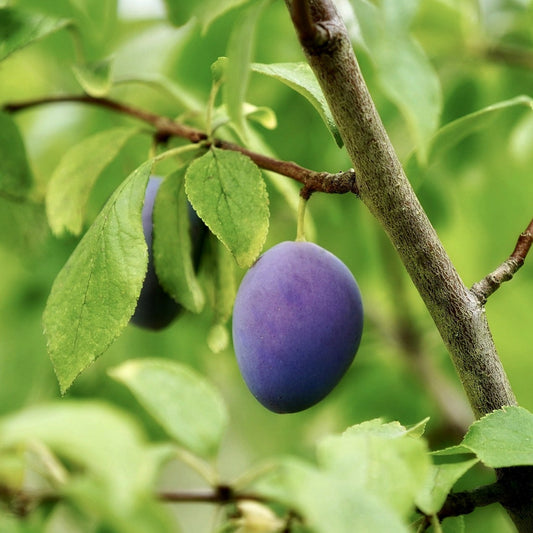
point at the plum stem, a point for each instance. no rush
(300, 225)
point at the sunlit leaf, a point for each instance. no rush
(502, 438)
(328, 503)
(228, 192)
(95, 78)
(300, 77)
(381, 459)
(95, 294)
(73, 179)
(183, 402)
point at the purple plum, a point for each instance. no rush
(297, 325)
(156, 309)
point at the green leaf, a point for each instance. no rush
(328, 504)
(239, 54)
(27, 226)
(502, 438)
(404, 72)
(205, 12)
(94, 295)
(183, 402)
(19, 28)
(225, 284)
(228, 192)
(263, 115)
(98, 20)
(454, 132)
(300, 77)
(380, 459)
(16, 179)
(172, 244)
(224, 292)
(171, 88)
(95, 436)
(94, 78)
(444, 474)
(74, 177)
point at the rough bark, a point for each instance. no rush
(385, 190)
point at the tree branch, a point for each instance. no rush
(510, 55)
(462, 503)
(492, 282)
(340, 183)
(387, 193)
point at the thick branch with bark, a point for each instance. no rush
(387, 193)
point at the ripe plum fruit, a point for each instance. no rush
(156, 309)
(297, 325)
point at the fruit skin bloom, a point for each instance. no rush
(297, 324)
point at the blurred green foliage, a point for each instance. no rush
(479, 196)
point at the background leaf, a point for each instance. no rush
(183, 402)
(454, 132)
(239, 54)
(404, 72)
(73, 179)
(95, 78)
(19, 29)
(94, 295)
(205, 12)
(300, 77)
(16, 179)
(172, 243)
(119, 467)
(228, 192)
(92, 435)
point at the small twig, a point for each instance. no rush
(312, 181)
(489, 284)
(221, 494)
(462, 503)
(510, 56)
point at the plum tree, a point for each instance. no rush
(156, 309)
(297, 325)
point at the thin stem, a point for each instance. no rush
(492, 282)
(340, 183)
(300, 226)
(510, 56)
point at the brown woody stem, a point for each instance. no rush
(340, 183)
(492, 282)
